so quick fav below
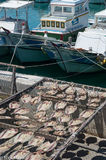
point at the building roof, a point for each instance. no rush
(10, 4)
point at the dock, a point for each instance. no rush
(80, 137)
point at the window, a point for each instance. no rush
(57, 24)
(76, 9)
(58, 9)
(53, 24)
(62, 25)
(48, 23)
(43, 23)
(67, 9)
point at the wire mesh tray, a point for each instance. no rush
(55, 110)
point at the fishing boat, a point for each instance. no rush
(25, 45)
(66, 18)
(88, 54)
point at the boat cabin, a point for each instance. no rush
(10, 23)
(63, 12)
(100, 19)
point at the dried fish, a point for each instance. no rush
(5, 117)
(92, 94)
(46, 129)
(47, 146)
(51, 92)
(72, 129)
(50, 123)
(51, 85)
(86, 113)
(21, 111)
(8, 133)
(2, 110)
(34, 156)
(70, 109)
(93, 105)
(20, 154)
(45, 106)
(62, 86)
(70, 90)
(5, 147)
(81, 91)
(70, 97)
(23, 137)
(60, 105)
(14, 105)
(59, 128)
(39, 114)
(76, 122)
(20, 123)
(43, 119)
(29, 124)
(17, 116)
(58, 113)
(94, 100)
(35, 100)
(62, 95)
(103, 95)
(82, 98)
(26, 98)
(60, 133)
(36, 141)
(64, 118)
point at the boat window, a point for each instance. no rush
(67, 9)
(57, 24)
(53, 24)
(43, 23)
(78, 8)
(58, 9)
(62, 25)
(48, 23)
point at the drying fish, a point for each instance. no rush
(8, 133)
(45, 106)
(72, 129)
(2, 110)
(62, 86)
(75, 122)
(20, 154)
(46, 129)
(51, 92)
(39, 114)
(17, 116)
(103, 95)
(58, 113)
(34, 156)
(14, 105)
(60, 133)
(93, 94)
(5, 117)
(20, 123)
(70, 90)
(47, 146)
(23, 137)
(64, 118)
(5, 147)
(43, 119)
(94, 100)
(26, 98)
(93, 105)
(35, 100)
(60, 105)
(36, 141)
(21, 111)
(82, 98)
(62, 95)
(59, 128)
(86, 113)
(50, 123)
(50, 85)
(81, 91)
(70, 109)
(70, 97)
(29, 124)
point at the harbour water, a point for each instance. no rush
(53, 70)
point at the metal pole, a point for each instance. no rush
(13, 82)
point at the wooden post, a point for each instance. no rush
(13, 82)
